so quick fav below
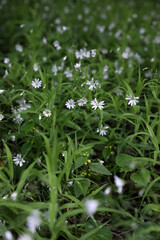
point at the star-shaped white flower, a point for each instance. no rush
(95, 104)
(36, 83)
(102, 131)
(47, 113)
(18, 160)
(132, 99)
(70, 103)
(82, 101)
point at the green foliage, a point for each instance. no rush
(80, 119)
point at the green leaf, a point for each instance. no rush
(142, 178)
(81, 187)
(99, 168)
(124, 161)
(26, 127)
(10, 160)
(128, 163)
(96, 232)
(79, 162)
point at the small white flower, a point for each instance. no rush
(125, 55)
(56, 45)
(44, 40)
(19, 47)
(93, 52)
(77, 66)
(140, 193)
(118, 92)
(7, 61)
(8, 235)
(102, 131)
(18, 160)
(101, 162)
(95, 104)
(119, 183)
(1, 91)
(14, 196)
(92, 84)
(82, 101)
(54, 69)
(5, 197)
(70, 103)
(18, 119)
(25, 237)
(47, 113)
(132, 99)
(35, 67)
(5, 74)
(1, 117)
(44, 59)
(70, 183)
(107, 191)
(36, 83)
(34, 221)
(13, 138)
(23, 107)
(91, 206)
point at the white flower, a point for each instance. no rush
(33, 221)
(107, 191)
(47, 113)
(35, 67)
(82, 101)
(92, 84)
(14, 196)
(102, 131)
(18, 119)
(93, 52)
(19, 47)
(70, 103)
(77, 65)
(54, 69)
(125, 55)
(119, 183)
(23, 106)
(70, 183)
(56, 45)
(19, 160)
(1, 91)
(36, 83)
(95, 104)
(101, 162)
(8, 235)
(44, 40)
(132, 99)
(91, 206)
(7, 61)
(25, 237)
(5, 197)
(5, 73)
(1, 117)
(118, 92)
(13, 138)
(44, 59)
(100, 28)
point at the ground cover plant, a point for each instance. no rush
(79, 120)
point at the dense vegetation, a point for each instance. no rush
(79, 120)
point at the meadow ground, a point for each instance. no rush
(79, 120)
